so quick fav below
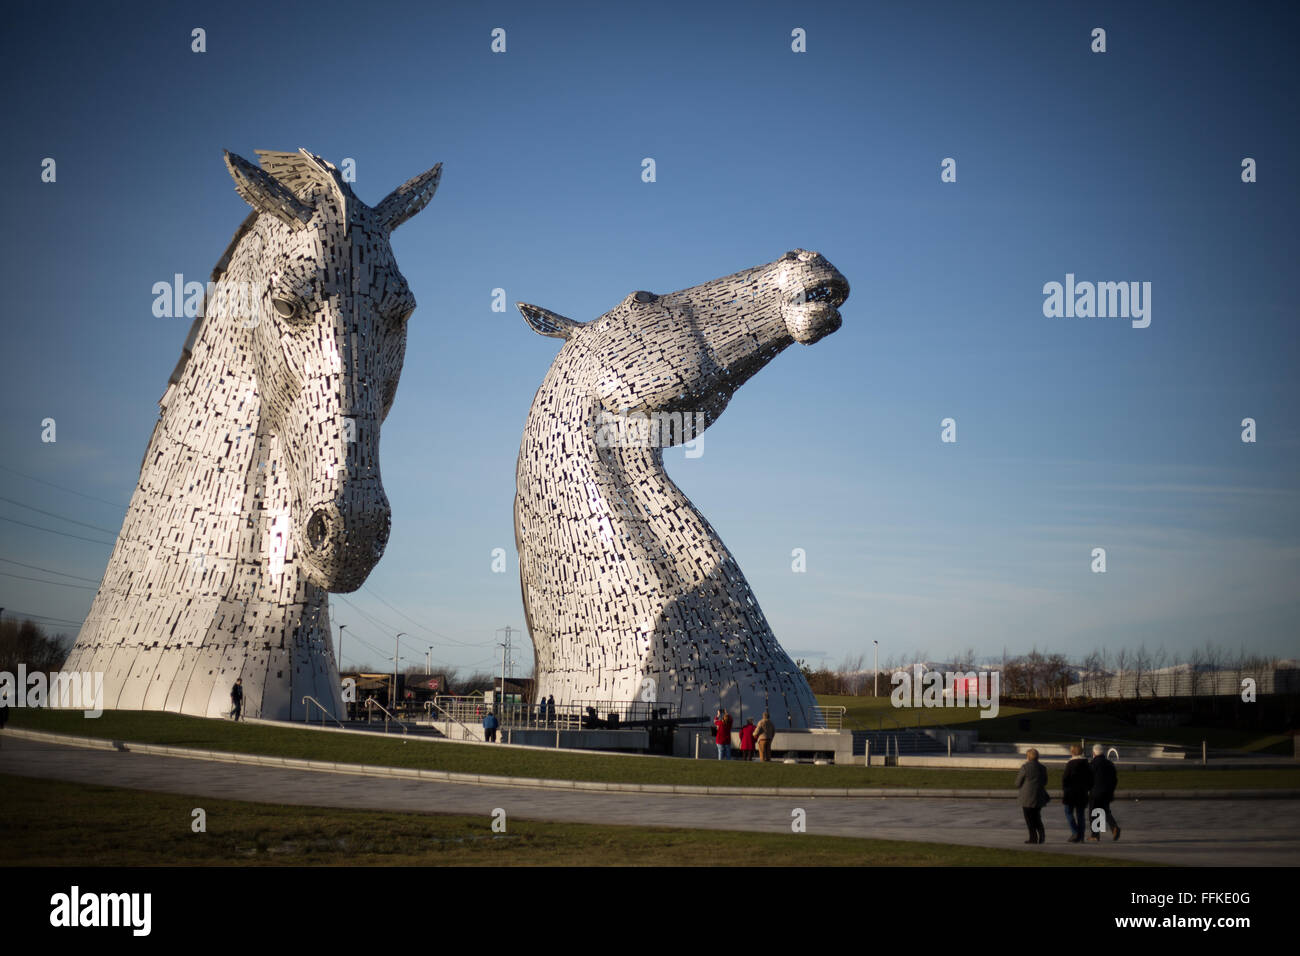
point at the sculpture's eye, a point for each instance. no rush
(644, 296)
(289, 307)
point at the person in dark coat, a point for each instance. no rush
(237, 698)
(1031, 781)
(1076, 784)
(550, 709)
(1105, 778)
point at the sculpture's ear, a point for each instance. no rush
(546, 322)
(409, 198)
(265, 193)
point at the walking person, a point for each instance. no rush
(747, 740)
(1031, 781)
(490, 727)
(550, 709)
(237, 698)
(1105, 778)
(722, 726)
(765, 731)
(1076, 784)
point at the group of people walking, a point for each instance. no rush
(752, 736)
(1088, 789)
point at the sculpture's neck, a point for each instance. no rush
(211, 468)
(609, 490)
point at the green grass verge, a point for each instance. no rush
(216, 734)
(53, 823)
(868, 713)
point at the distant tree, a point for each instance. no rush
(1059, 673)
(478, 681)
(1091, 667)
(1017, 680)
(26, 642)
(1141, 664)
(1213, 666)
(851, 673)
(1195, 665)
(1121, 671)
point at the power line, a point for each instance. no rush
(61, 584)
(52, 514)
(42, 617)
(62, 574)
(427, 630)
(70, 491)
(65, 534)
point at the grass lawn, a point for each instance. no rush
(53, 823)
(876, 713)
(217, 734)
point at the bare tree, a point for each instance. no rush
(26, 642)
(851, 674)
(1155, 662)
(1195, 663)
(1141, 664)
(1121, 663)
(965, 660)
(1058, 675)
(1214, 665)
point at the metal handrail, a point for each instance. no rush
(371, 703)
(324, 713)
(826, 712)
(430, 706)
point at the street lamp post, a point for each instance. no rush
(397, 650)
(875, 687)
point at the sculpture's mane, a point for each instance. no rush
(301, 172)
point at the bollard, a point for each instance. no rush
(866, 755)
(1203, 754)
(950, 745)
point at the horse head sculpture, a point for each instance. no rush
(627, 589)
(260, 490)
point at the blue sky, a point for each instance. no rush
(1072, 433)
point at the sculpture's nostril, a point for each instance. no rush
(318, 530)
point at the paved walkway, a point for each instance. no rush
(1186, 832)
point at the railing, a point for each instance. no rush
(431, 705)
(323, 712)
(371, 704)
(576, 715)
(829, 718)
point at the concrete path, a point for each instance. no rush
(1186, 832)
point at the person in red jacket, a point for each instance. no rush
(747, 740)
(722, 726)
